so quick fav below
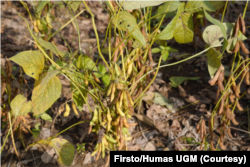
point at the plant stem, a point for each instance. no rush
(225, 8)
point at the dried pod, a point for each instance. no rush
(25, 130)
(247, 77)
(202, 142)
(234, 121)
(202, 130)
(232, 97)
(243, 47)
(242, 25)
(211, 134)
(217, 96)
(220, 81)
(125, 123)
(229, 133)
(138, 93)
(222, 146)
(212, 145)
(215, 78)
(121, 143)
(221, 107)
(117, 98)
(229, 114)
(99, 152)
(113, 92)
(121, 125)
(222, 102)
(236, 28)
(234, 84)
(237, 90)
(239, 106)
(90, 129)
(130, 107)
(237, 47)
(1, 112)
(120, 86)
(203, 125)
(198, 128)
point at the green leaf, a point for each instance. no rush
(168, 32)
(156, 50)
(176, 81)
(74, 5)
(26, 108)
(49, 76)
(106, 79)
(117, 71)
(46, 117)
(37, 126)
(35, 133)
(222, 27)
(184, 28)
(165, 55)
(217, 4)
(106, 50)
(102, 69)
(77, 97)
(31, 61)
(41, 5)
(127, 22)
(172, 49)
(86, 63)
(163, 101)
(197, 6)
(131, 5)
(64, 149)
(213, 62)
(59, 63)
(50, 46)
(43, 96)
(173, 6)
(213, 35)
(19, 105)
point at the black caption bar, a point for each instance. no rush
(176, 157)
